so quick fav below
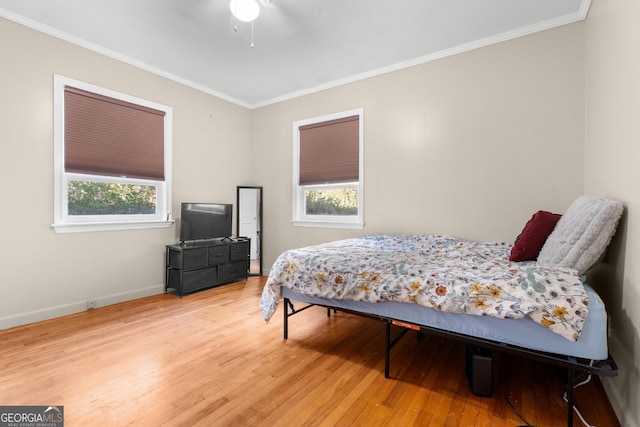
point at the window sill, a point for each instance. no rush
(109, 226)
(354, 225)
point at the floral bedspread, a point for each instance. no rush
(442, 272)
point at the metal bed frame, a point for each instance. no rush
(606, 367)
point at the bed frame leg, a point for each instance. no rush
(286, 318)
(570, 385)
(387, 349)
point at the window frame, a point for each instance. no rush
(65, 223)
(299, 217)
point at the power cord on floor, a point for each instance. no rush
(564, 397)
(526, 423)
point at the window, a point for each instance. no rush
(328, 171)
(112, 159)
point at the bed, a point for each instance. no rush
(528, 298)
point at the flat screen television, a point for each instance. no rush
(202, 221)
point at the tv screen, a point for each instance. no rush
(200, 221)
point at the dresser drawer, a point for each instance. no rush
(233, 271)
(218, 254)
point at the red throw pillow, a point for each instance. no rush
(535, 233)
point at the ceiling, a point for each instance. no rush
(301, 46)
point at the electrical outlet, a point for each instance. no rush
(91, 304)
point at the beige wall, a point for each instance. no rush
(470, 145)
(45, 274)
(612, 151)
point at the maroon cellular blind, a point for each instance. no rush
(110, 137)
(329, 151)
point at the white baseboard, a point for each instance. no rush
(623, 389)
(20, 319)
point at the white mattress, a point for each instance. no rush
(522, 332)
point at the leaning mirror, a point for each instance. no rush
(249, 224)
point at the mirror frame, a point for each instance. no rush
(260, 234)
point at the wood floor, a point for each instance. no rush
(209, 359)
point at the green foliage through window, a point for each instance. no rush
(332, 202)
(103, 198)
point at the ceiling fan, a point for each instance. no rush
(247, 11)
(276, 19)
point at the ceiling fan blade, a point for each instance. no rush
(205, 13)
(295, 9)
(285, 18)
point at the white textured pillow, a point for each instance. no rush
(582, 235)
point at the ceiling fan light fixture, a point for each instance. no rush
(244, 10)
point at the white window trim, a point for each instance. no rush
(299, 218)
(62, 223)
